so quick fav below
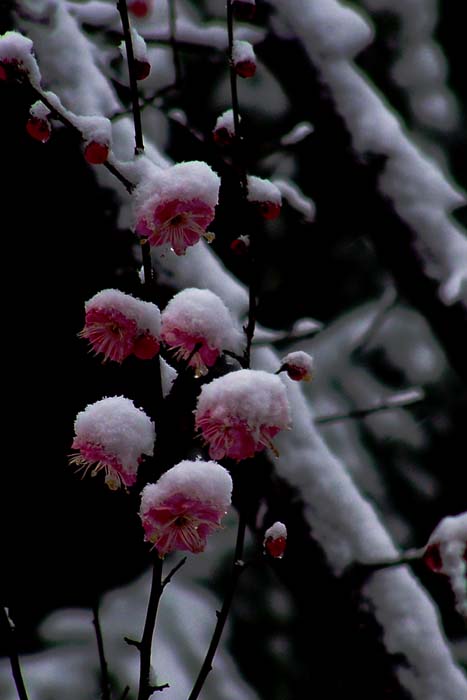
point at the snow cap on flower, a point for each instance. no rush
(265, 196)
(224, 129)
(38, 125)
(140, 54)
(112, 435)
(239, 414)
(446, 553)
(199, 317)
(118, 325)
(175, 206)
(97, 135)
(298, 365)
(16, 58)
(243, 58)
(275, 540)
(185, 506)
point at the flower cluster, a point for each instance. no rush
(185, 506)
(239, 414)
(117, 325)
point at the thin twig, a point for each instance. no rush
(237, 568)
(401, 400)
(126, 690)
(172, 573)
(145, 688)
(239, 164)
(13, 654)
(388, 301)
(173, 41)
(105, 679)
(123, 10)
(60, 116)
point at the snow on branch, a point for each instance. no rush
(422, 195)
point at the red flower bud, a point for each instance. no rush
(269, 210)
(240, 245)
(432, 558)
(244, 10)
(139, 8)
(142, 69)
(245, 69)
(96, 153)
(38, 129)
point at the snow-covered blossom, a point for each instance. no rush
(244, 10)
(224, 129)
(446, 553)
(112, 435)
(243, 58)
(198, 317)
(176, 205)
(275, 540)
(97, 134)
(265, 196)
(298, 365)
(16, 58)
(38, 125)
(140, 53)
(239, 414)
(117, 325)
(185, 506)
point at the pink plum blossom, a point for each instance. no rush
(199, 318)
(175, 206)
(239, 414)
(181, 224)
(112, 435)
(118, 325)
(185, 506)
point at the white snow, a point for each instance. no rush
(225, 121)
(207, 482)
(145, 314)
(299, 359)
(451, 536)
(140, 51)
(183, 181)
(295, 198)
(255, 396)
(200, 312)
(38, 110)
(243, 52)
(276, 530)
(297, 134)
(423, 197)
(115, 424)
(262, 190)
(211, 34)
(95, 12)
(95, 128)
